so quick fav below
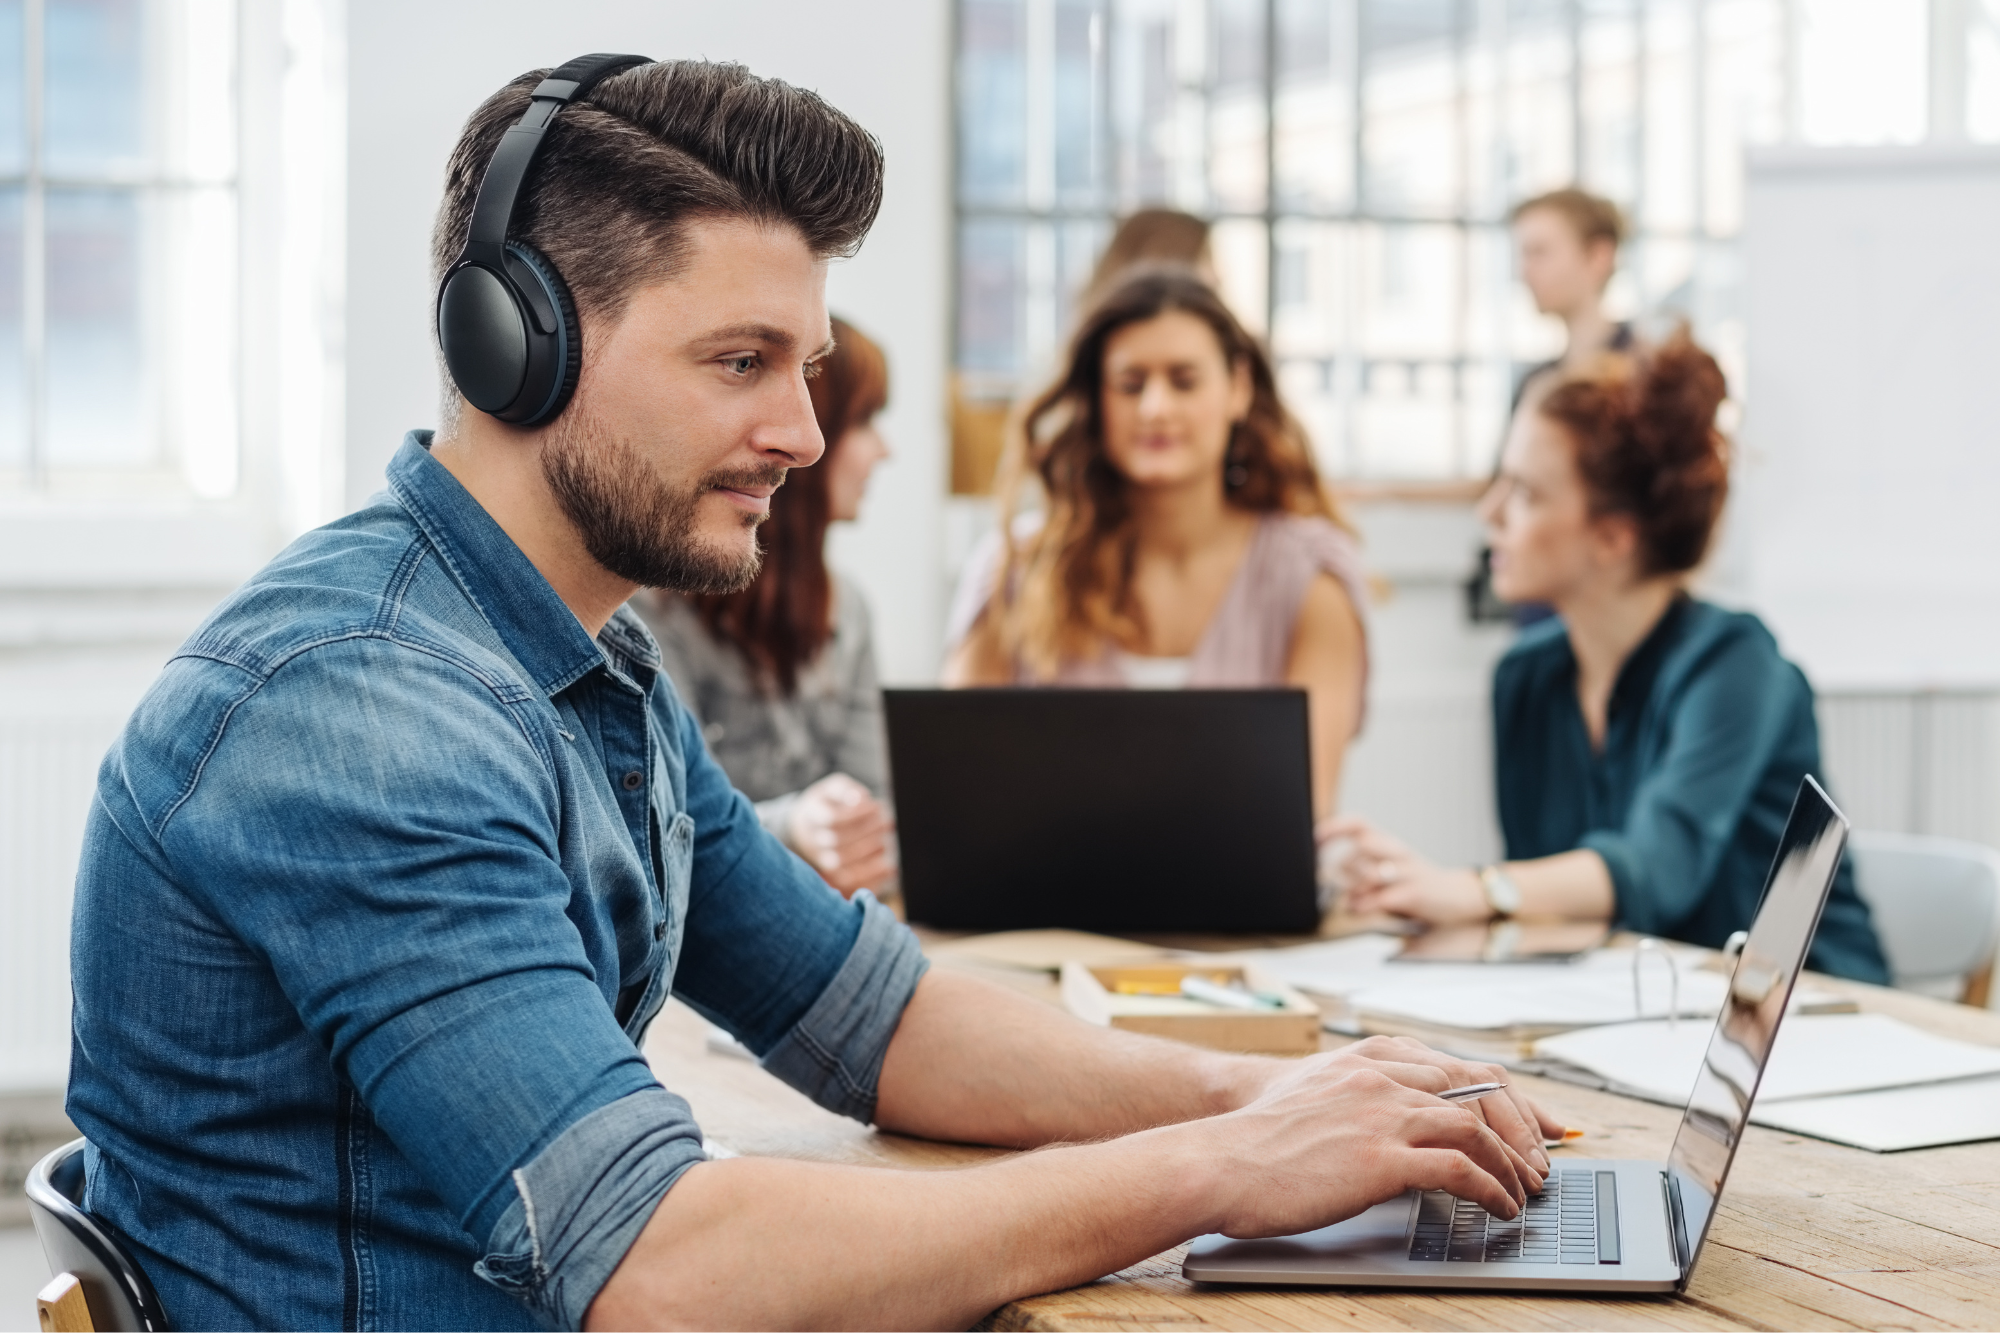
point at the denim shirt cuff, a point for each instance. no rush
(584, 1199)
(834, 1054)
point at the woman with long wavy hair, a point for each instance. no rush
(782, 674)
(1183, 536)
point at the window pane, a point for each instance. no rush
(13, 91)
(97, 392)
(94, 73)
(1982, 71)
(1236, 107)
(993, 101)
(1081, 162)
(1315, 106)
(1539, 110)
(990, 291)
(1862, 69)
(1410, 101)
(1157, 112)
(13, 381)
(1611, 83)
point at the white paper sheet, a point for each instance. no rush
(1817, 1056)
(1894, 1119)
(1594, 989)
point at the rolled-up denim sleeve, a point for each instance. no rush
(813, 983)
(834, 1054)
(584, 1199)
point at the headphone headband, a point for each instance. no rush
(507, 173)
(506, 322)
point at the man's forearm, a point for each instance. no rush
(975, 1062)
(763, 1243)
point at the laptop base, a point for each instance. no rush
(1376, 1248)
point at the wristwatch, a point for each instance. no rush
(1503, 895)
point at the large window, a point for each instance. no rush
(118, 247)
(1358, 159)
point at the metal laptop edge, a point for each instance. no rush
(1657, 1254)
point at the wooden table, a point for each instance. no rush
(1809, 1235)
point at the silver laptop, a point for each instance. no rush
(1597, 1226)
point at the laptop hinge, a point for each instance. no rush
(1676, 1223)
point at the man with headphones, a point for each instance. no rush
(394, 864)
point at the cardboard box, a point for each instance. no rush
(1143, 997)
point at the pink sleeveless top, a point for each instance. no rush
(1249, 642)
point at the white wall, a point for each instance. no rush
(417, 71)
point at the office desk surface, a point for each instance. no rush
(1810, 1234)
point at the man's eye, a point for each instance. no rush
(814, 369)
(740, 365)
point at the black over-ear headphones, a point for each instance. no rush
(504, 315)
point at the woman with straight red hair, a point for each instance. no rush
(1647, 745)
(782, 675)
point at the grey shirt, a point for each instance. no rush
(773, 747)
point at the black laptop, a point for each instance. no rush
(1104, 809)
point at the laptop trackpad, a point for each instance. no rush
(1383, 1232)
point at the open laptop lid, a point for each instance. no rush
(1719, 1108)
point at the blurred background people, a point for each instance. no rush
(1155, 238)
(1648, 745)
(1567, 244)
(781, 675)
(1184, 538)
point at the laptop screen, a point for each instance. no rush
(1719, 1108)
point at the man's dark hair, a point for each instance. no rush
(624, 171)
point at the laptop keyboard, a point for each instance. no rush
(1559, 1225)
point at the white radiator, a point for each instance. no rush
(1927, 762)
(48, 770)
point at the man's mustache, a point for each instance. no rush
(743, 478)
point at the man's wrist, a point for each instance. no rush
(1231, 1082)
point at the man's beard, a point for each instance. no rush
(635, 524)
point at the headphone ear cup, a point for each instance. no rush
(485, 336)
(567, 361)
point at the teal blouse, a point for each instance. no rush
(1709, 731)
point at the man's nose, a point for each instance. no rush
(791, 431)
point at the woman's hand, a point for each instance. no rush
(1383, 877)
(843, 832)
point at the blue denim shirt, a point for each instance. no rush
(384, 880)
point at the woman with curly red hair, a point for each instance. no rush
(1647, 745)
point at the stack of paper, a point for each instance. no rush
(1490, 1010)
(1862, 1079)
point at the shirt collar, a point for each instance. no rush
(535, 624)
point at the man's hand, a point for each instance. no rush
(1520, 1125)
(843, 832)
(1332, 1142)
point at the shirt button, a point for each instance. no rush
(634, 780)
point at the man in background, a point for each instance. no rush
(1568, 243)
